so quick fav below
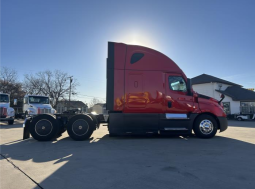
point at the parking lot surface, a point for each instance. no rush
(225, 161)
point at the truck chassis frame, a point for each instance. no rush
(47, 126)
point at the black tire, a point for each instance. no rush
(44, 127)
(10, 122)
(239, 119)
(25, 115)
(80, 127)
(205, 126)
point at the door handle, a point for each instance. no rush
(135, 84)
(181, 98)
(169, 104)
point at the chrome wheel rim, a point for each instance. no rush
(80, 127)
(206, 127)
(43, 127)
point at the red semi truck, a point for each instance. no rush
(147, 93)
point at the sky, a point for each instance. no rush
(215, 37)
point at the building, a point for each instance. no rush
(237, 99)
(63, 106)
(99, 108)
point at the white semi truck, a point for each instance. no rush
(34, 104)
(6, 112)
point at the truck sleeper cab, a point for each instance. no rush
(147, 93)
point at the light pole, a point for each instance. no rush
(70, 88)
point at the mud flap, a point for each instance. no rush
(26, 133)
(96, 120)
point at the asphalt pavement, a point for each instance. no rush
(225, 161)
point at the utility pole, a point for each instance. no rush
(70, 88)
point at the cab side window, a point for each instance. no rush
(177, 83)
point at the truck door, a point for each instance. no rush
(177, 99)
(178, 105)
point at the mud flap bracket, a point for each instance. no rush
(26, 132)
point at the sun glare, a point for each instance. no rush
(138, 38)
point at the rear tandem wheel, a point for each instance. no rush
(44, 127)
(80, 127)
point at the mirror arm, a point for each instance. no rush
(222, 98)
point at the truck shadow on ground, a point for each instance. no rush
(10, 126)
(5, 125)
(139, 162)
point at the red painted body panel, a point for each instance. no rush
(119, 87)
(143, 87)
(144, 93)
(119, 56)
(152, 60)
(210, 106)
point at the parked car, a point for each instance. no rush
(244, 117)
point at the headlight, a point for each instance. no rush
(10, 111)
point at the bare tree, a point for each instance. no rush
(9, 84)
(94, 101)
(7, 76)
(33, 84)
(49, 83)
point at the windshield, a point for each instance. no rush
(38, 100)
(4, 98)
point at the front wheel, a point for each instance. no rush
(239, 119)
(205, 126)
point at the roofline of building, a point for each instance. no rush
(233, 98)
(223, 81)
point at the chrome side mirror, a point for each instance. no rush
(15, 102)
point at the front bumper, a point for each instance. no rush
(223, 123)
(7, 119)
